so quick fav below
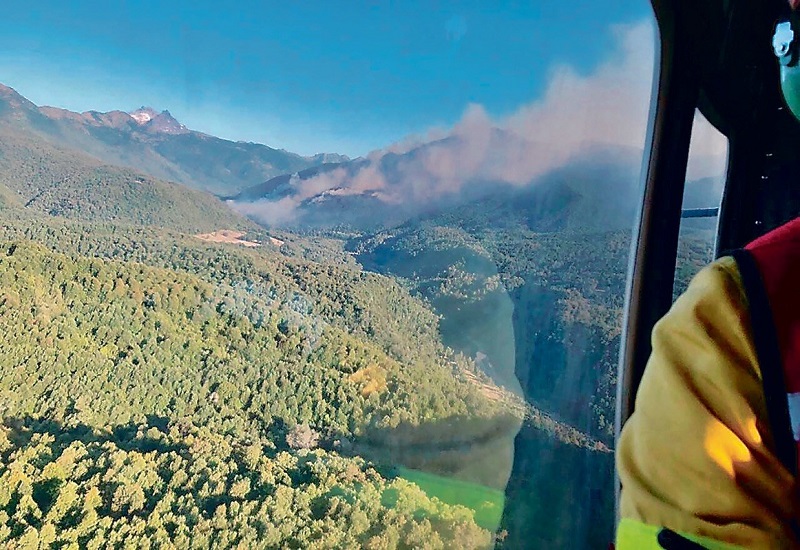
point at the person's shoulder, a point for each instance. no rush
(787, 234)
(720, 279)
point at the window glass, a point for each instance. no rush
(705, 181)
(317, 275)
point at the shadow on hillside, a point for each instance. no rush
(466, 448)
(124, 436)
(559, 495)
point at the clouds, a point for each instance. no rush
(578, 114)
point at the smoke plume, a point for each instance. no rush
(577, 114)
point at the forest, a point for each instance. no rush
(156, 387)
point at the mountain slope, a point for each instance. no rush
(156, 144)
(159, 330)
(44, 178)
(157, 377)
(331, 293)
(390, 188)
(281, 186)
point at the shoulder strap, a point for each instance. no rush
(765, 339)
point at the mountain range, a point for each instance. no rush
(487, 251)
(148, 325)
(476, 159)
(276, 188)
(157, 144)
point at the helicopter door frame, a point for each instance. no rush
(651, 269)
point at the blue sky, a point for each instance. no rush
(307, 76)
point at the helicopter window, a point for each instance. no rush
(705, 181)
(361, 287)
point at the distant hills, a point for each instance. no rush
(37, 176)
(157, 144)
(276, 188)
(390, 187)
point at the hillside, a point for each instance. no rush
(280, 186)
(45, 178)
(391, 187)
(116, 356)
(159, 331)
(155, 144)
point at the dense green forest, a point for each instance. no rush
(140, 344)
(168, 341)
(49, 179)
(180, 486)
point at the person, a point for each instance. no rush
(709, 458)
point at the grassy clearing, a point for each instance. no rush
(487, 503)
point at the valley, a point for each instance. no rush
(365, 373)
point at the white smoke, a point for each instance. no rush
(269, 212)
(605, 109)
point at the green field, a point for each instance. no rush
(487, 503)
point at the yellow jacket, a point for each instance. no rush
(696, 457)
